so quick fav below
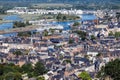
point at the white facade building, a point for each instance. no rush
(24, 10)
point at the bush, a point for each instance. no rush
(76, 24)
(84, 76)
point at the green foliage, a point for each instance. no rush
(111, 33)
(117, 34)
(13, 76)
(52, 30)
(9, 72)
(1, 70)
(13, 72)
(17, 53)
(1, 77)
(19, 24)
(81, 34)
(93, 37)
(27, 23)
(64, 17)
(76, 24)
(101, 73)
(59, 17)
(24, 34)
(99, 54)
(67, 61)
(9, 69)
(27, 68)
(45, 33)
(39, 69)
(112, 69)
(41, 78)
(71, 41)
(84, 76)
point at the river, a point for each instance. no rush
(65, 24)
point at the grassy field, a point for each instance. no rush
(28, 17)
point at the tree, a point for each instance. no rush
(93, 37)
(10, 72)
(99, 55)
(60, 30)
(17, 76)
(13, 76)
(59, 17)
(27, 23)
(9, 76)
(117, 34)
(81, 34)
(64, 18)
(1, 77)
(27, 68)
(76, 24)
(18, 24)
(67, 61)
(101, 74)
(112, 69)
(1, 69)
(52, 30)
(8, 69)
(111, 33)
(45, 33)
(41, 78)
(71, 41)
(17, 53)
(39, 69)
(24, 34)
(84, 76)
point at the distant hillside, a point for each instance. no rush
(66, 1)
(82, 4)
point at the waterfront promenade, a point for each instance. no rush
(22, 29)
